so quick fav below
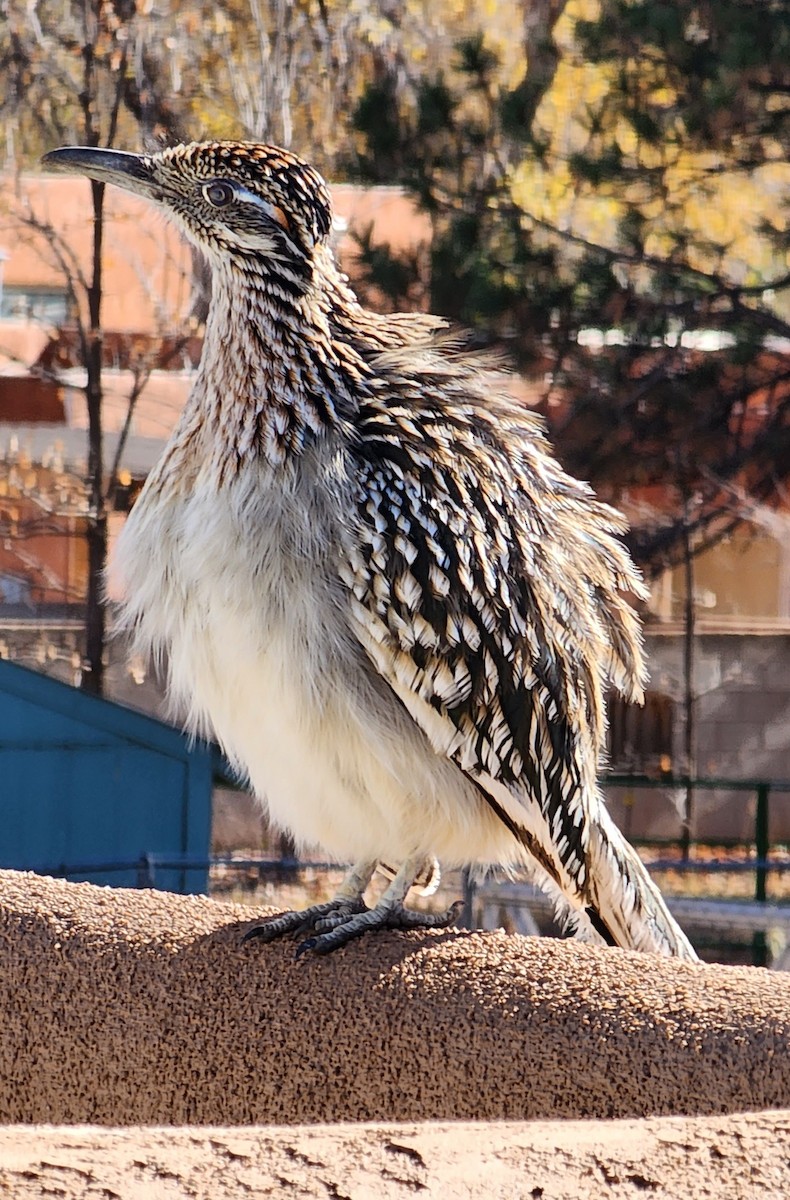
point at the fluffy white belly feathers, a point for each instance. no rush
(260, 661)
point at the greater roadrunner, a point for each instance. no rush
(370, 579)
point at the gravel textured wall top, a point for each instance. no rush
(139, 1007)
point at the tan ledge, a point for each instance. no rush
(143, 1008)
(663, 1158)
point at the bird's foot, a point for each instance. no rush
(337, 929)
(346, 917)
(296, 923)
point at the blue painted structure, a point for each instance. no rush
(86, 783)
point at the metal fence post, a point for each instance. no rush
(467, 920)
(146, 871)
(761, 847)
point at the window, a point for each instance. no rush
(14, 590)
(48, 305)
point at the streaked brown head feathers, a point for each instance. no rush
(233, 200)
(291, 192)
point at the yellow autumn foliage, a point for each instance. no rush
(718, 212)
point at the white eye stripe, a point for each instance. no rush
(249, 197)
(221, 192)
(272, 211)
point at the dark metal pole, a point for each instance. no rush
(761, 849)
(146, 871)
(688, 681)
(469, 889)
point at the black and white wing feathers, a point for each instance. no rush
(487, 589)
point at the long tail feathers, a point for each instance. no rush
(624, 901)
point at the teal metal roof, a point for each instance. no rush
(87, 784)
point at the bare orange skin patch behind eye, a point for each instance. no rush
(280, 217)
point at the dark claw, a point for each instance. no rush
(257, 931)
(303, 947)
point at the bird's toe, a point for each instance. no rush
(335, 919)
(289, 923)
(341, 928)
(318, 918)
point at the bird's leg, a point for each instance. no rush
(337, 928)
(346, 902)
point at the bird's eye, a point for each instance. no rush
(218, 193)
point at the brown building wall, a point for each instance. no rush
(25, 399)
(742, 683)
(45, 549)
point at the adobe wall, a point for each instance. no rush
(138, 1007)
(663, 1158)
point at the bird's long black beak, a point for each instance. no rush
(133, 172)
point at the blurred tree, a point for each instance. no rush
(615, 213)
(86, 72)
(606, 184)
(617, 216)
(292, 71)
